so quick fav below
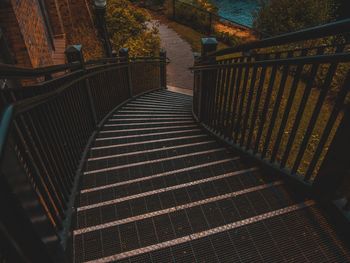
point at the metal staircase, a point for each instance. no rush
(158, 188)
(99, 162)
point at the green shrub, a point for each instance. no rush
(129, 26)
(281, 16)
(194, 13)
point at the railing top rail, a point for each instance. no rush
(331, 58)
(5, 123)
(7, 70)
(11, 71)
(333, 28)
(26, 104)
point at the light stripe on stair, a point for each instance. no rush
(113, 168)
(205, 233)
(147, 142)
(141, 179)
(176, 208)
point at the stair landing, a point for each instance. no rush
(157, 188)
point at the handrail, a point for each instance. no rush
(339, 57)
(334, 28)
(7, 71)
(5, 123)
(29, 103)
(43, 136)
(286, 108)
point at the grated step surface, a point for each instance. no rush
(157, 188)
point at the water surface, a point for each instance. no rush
(239, 11)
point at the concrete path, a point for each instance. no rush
(181, 57)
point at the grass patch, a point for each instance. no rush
(317, 132)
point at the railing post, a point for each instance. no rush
(124, 57)
(100, 11)
(74, 53)
(336, 165)
(207, 79)
(162, 55)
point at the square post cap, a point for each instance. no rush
(100, 3)
(74, 53)
(123, 52)
(209, 44)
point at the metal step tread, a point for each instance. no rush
(156, 193)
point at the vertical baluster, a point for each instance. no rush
(335, 166)
(229, 116)
(266, 104)
(52, 129)
(47, 140)
(234, 103)
(249, 103)
(238, 126)
(223, 96)
(276, 106)
(44, 161)
(300, 113)
(256, 105)
(314, 117)
(338, 106)
(35, 173)
(293, 90)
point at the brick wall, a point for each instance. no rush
(28, 38)
(24, 29)
(33, 31)
(83, 8)
(52, 7)
(66, 15)
(12, 32)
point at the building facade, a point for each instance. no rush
(34, 32)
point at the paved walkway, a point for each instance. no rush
(181, 58)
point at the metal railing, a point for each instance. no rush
(44, 137)
(285, 101)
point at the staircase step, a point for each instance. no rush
(105, 166)
(147, 124)
(204, 197)
(170, 102)
(168, 97)
(136, 131)
(110, 199)
(192, 220)
(153, 115)
(154, 144)
(153, 154)
(198, 170)
(148, 119)
(160, 184)
(156, 188)
(145, 138)
(155, 109)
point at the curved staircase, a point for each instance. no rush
(99, 162)
(158, 188)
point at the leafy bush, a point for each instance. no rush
(194, 13)
(281, 16)
(130, 27)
